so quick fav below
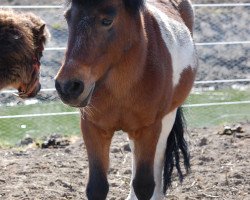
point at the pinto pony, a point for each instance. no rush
(22, 40)
(129, 66)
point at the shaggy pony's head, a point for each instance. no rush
(22, 40)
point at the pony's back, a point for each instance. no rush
(182, 8)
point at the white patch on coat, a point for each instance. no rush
(178, 40)
(167, 125)
(132, 195)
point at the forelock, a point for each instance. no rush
(134, 6)
(85, 2)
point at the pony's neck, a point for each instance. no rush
(130, 68)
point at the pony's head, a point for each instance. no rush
(100, 33)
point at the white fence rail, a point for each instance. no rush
(223, 81)
(59, 6)
(197, 44)
(222, 5)
(221, 43)
(77, 113)
(39, 115)
(196, 83)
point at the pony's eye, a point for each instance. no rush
(107, 22)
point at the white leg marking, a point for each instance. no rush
(132, 195)
(167, 124)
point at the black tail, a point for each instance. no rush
(176, 145)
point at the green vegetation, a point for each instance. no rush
(217, 115)
(57, 26)
(13, 130)
(227, 95)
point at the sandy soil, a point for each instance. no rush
(220, 169)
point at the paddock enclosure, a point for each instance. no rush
(221, 96)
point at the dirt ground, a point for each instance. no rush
(220, 169)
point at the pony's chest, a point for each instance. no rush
(123, 118)
(134, 120)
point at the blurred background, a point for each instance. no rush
(221, 94)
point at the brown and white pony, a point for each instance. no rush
(129, 66)
(22, 40)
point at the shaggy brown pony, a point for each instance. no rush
(22, 40)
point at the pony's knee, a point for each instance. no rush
(144, 184)
(97, 189)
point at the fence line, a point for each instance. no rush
(195, 5)
(55, 49)
(222, 5)
(197, 44)
(196, 82)
(32, 7)
(222, 81)
(215, 104)
(14, 91)
(38, 115)
(76, 113)
(59, 7)
(221, 43)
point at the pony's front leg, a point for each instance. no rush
(143, 144)
(97, 142)
(148, 146)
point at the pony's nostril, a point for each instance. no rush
(73, 88)
(69, 89)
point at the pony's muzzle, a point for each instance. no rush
(35, 91)
(27, 91)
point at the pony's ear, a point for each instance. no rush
(43, 34)
(41, 29)
(133, 5)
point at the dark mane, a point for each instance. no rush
(85, 2)
(134, 6)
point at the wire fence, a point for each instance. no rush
(222, 39)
